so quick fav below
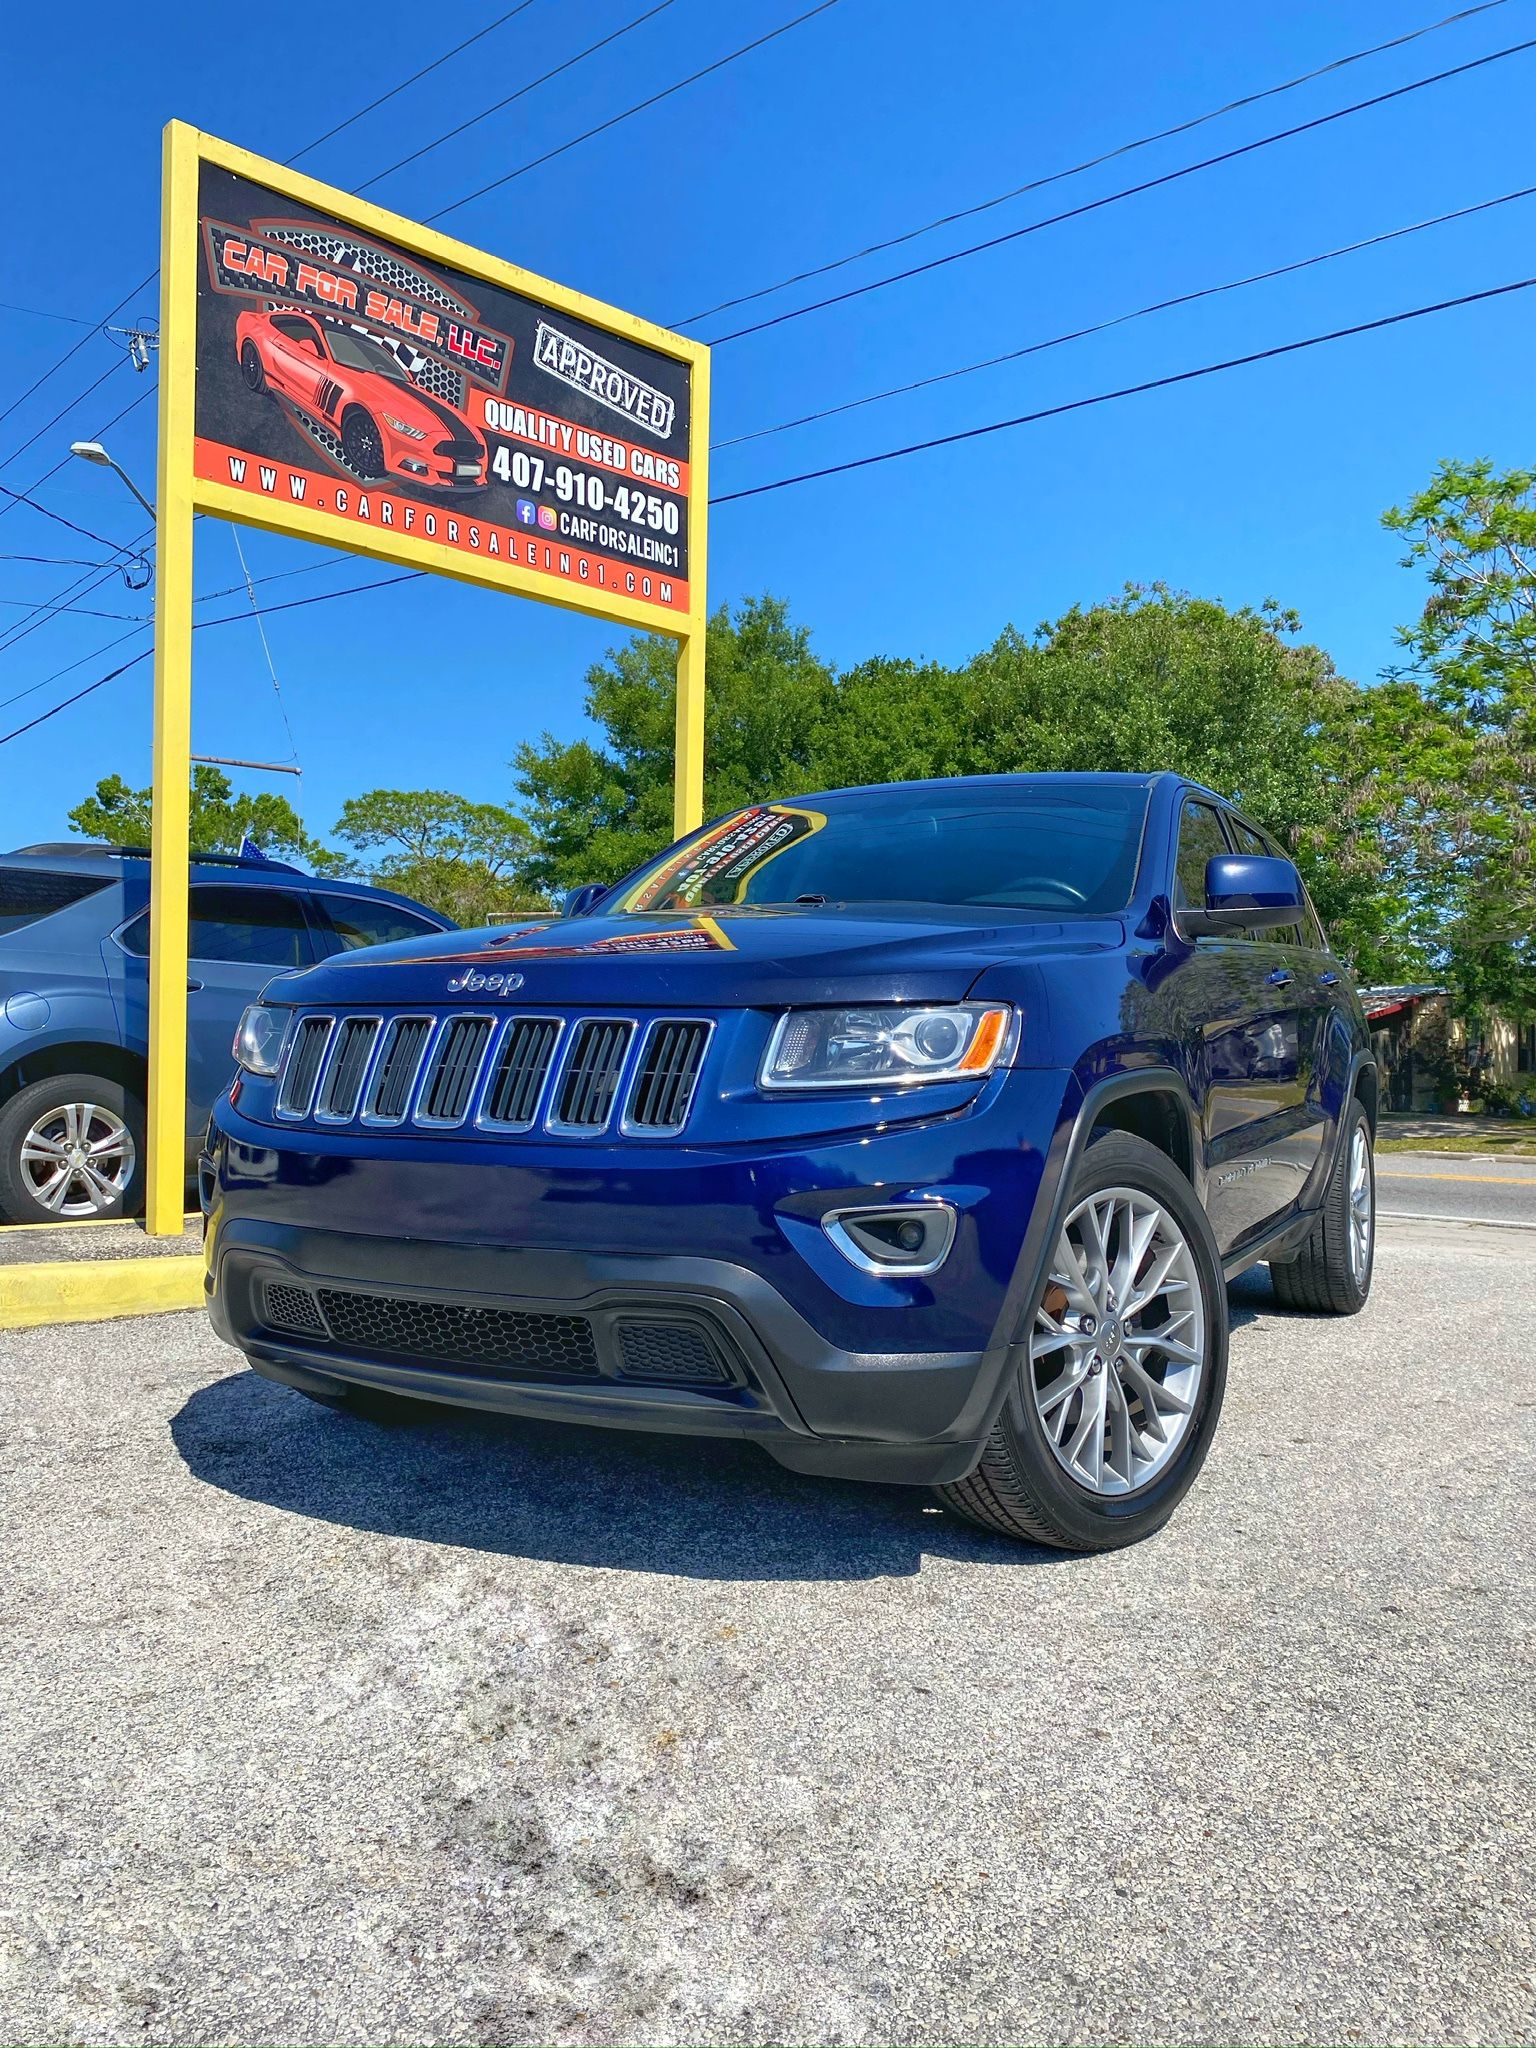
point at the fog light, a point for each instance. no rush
(907, 1241)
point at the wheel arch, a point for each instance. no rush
(1159, 1112)
(73, 1056)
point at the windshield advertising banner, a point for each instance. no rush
(371, 389)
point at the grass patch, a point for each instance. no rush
(1519, 1143)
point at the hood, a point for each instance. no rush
(731, 958)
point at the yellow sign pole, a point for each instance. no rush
(165, 1175)
(688, 756)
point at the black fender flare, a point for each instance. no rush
(1062, 1158)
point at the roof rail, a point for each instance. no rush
(99, 849)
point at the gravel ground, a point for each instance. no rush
(322, 1731)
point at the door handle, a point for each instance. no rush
(193, 986)
(1279, 977)
(1328, 981)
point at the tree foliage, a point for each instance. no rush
(462, 858)
(219, 820)
(1464, 777)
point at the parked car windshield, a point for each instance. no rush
(1009, 848)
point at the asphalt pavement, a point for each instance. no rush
(1459, 1185)
(321, 1730)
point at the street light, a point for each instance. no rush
(92, 451)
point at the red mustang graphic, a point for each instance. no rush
(387, 425)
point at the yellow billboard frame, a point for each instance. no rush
(182, 495)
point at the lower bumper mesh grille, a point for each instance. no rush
(678, 1351)
(447, 1330)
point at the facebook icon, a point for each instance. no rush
(527, 512)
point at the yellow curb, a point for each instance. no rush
(91, 1290)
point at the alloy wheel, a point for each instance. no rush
(77, 1159)
(1362, 1205)
(1118, 1350)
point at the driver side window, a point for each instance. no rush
(1200, 839)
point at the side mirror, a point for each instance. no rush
(579, 901)
(1245, 892)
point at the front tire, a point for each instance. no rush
(362, 443)
(1111, 1410)
(71, 1149)
(1331, 1274)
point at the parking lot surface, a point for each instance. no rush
(325, 1731)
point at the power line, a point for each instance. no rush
(1088, 206)
(199, 625)
(1092, 163)
(21, 498)
(22, 446)
(1050, 412)
(521, 93)
(95, 328)
(395, 90)
(41, 313)
(1209, 291)
(639, 107)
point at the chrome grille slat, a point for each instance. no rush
(573, 1076)
(668, 1073)
(394, 1073)
(593, 1068)
(453, 1068)
(517, 1084)
(301, 1069)
(342, 1087)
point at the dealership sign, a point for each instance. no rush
(362, 380)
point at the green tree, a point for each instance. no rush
(1154, 679)
(1466, 775)
(597, 809)
(462, 858)
(218, 820)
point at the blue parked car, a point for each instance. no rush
(74, 973)
(908, 1132)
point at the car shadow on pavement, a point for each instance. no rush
(699, 1507)
(696, 1507)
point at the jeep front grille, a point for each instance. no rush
(592, 1070)
(668, 1074)
(483, 1073)
(301, 1069)
(527, 1053)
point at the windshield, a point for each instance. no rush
(357, 353)
(1008, 848)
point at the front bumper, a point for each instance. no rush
(680, 1289)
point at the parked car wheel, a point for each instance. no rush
(252, 368)
(1110, 1416)
(71, 1146)
(1331, 1274)
(361, 443)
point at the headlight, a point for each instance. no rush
(885, 1045)
(404, 427)
(258, 1043)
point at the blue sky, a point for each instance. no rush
(871, 118)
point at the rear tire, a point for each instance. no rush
(1331, 1274)
(1109, 1413)
(71, 1149)
(252, 369)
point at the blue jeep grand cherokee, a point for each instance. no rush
(908, 1131)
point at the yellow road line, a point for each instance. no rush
(91, 1290)
(1504, 1180)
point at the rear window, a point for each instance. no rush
(26, 894)
(363, 921)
